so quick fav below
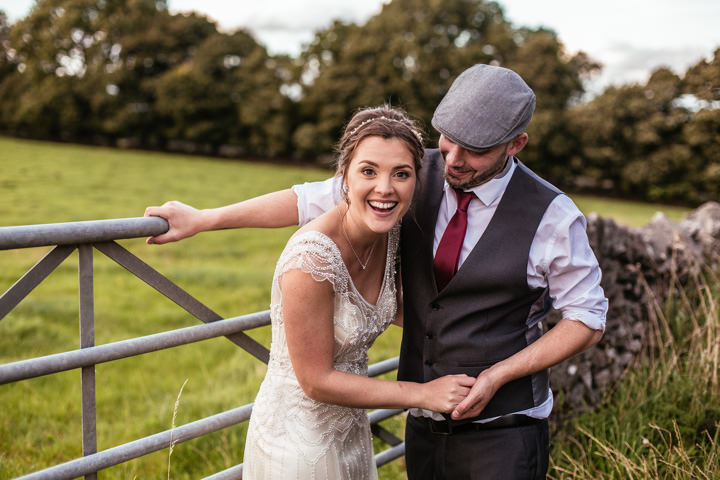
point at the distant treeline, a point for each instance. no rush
(130, 73)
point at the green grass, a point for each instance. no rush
(624, 212)
(663, 420)
(230, 271)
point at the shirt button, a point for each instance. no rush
(428, 362)
(428, 335)
(435, 306)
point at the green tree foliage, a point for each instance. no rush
(407, 55)
(703, 79)
(7, 63)
(642, 140)
(702, 133)
(557, 80)
(128, 72)
(410, 52)
(67, 54)
(147, 45)
(131, 71)
(228, 93)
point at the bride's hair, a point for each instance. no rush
(385, 122)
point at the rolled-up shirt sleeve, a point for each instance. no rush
(565, 263)
(316, 198)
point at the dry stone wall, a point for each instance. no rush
(637, 264)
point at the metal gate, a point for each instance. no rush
(101, 235)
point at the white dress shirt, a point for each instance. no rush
(560, 255)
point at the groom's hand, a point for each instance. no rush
(445, 393)
(479, 396)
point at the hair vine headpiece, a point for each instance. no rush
(370, 120)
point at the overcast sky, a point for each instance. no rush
(630, 37)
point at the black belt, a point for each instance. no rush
(507, 421)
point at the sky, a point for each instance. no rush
(631, 38)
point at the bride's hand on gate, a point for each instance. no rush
(182, 219)
(445, 393)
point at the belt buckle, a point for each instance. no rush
(433, 425)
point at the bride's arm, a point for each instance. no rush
(277, 209)
(308, 318)
(283, 208)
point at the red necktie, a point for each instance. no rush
(447, 255)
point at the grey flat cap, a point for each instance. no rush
(485, 106)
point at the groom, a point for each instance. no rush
(488, 249)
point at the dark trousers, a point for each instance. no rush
(513, 453)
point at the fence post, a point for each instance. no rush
(87, 339)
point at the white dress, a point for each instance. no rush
(292, 436)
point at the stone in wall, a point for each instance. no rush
(638, 265)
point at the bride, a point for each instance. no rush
(335, 289)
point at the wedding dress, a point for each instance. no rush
(292, 436)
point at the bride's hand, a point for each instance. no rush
(182, 219)
(445, 393)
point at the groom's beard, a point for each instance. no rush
(480, 177)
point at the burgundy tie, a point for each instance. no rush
(447, 255)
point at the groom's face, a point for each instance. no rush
(466, 169)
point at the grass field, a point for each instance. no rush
(663, 420)
(230, 271)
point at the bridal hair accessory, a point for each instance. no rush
(370, 120)
(362, 265)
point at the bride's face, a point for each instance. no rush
(380, 180)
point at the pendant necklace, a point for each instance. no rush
(362, 265)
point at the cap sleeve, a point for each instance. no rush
(317, 255)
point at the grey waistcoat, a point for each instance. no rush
(487, 312)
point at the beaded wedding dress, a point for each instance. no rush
(292, 436)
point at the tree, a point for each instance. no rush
(144, 45)
(702, 136)
(703, 79)
(557, 80)
(410, 53)
(35, 98)
(635, 141)
(83, 65)
(702, 132)
(228, 93)
(406, 55)
(7, 64)
(6, 60)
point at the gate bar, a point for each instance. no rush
(87, 340)
(32, 278)
(137, 448)
(70, 233)
(60, 362)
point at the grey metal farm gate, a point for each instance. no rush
(101, 235)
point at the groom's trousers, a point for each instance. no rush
(509, 453)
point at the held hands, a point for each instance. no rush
(184, 221)
(477, 399)
(445, 393)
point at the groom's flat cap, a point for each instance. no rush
(485, 106)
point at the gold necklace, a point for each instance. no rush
(362, 265)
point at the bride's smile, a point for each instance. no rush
(380, 180)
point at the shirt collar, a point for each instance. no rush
(493, 189)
